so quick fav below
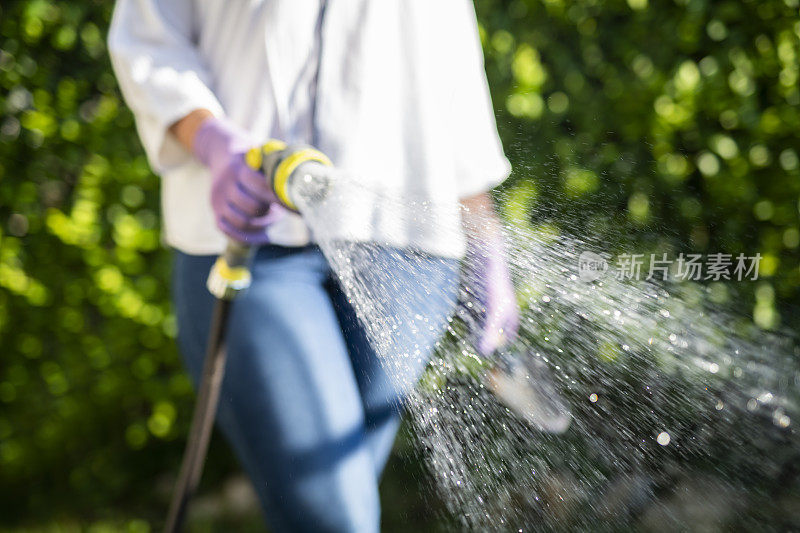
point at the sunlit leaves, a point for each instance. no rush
(85, 318)
(702, 98)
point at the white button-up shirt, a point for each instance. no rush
(392, 91)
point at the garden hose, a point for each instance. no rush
(284, 167)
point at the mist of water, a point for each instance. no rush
(682, 413)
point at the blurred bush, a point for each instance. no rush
(674, 121)
(90, 383)
(672, 118)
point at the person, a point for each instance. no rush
(396, 95)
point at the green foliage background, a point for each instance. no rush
(676, 122)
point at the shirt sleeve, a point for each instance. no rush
(480, 162)
(160, 72)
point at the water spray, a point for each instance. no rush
(303, 176)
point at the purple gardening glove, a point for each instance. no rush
(498, 314)
(243, 203)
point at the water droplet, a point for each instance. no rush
(593, 397)
(783, 421)
(663, 438)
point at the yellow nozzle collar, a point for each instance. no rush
(288, 166)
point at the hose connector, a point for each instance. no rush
(230, 274)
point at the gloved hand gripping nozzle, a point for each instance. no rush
(297, 174)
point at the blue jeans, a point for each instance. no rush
(306, 404)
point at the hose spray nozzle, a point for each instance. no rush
(299, 175)
(296, 173)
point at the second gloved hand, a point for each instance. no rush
(498, 314)
(243, 203)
